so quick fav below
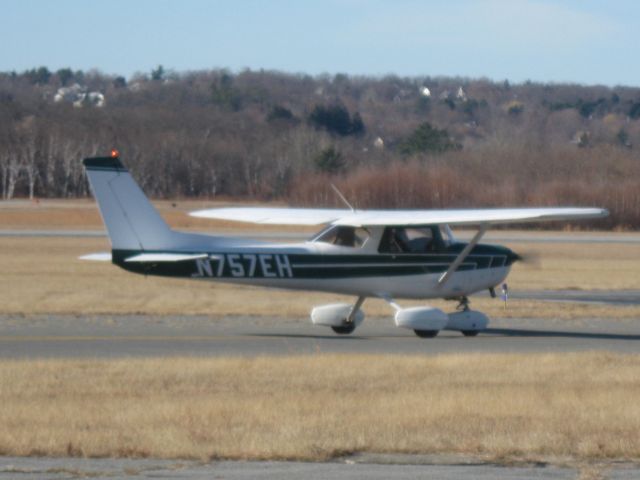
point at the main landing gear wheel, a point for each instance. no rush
(468, 326)
(470, 333)
(426, 333)
(346, 330)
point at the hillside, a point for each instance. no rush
(386, 142)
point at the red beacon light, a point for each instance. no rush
(114, 153)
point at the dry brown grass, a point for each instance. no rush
(43, 275)
(578, 266)
(583, 406)
(83, 214)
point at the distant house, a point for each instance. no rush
(78, 96)
(581, 138)
(96, 99)
(69, 94)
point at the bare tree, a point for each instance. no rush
(181, 138)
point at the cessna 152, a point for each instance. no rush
(388, 254)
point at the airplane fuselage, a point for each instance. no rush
(304, 267)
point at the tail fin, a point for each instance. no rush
(132, 221)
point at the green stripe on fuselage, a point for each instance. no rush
(308, 266)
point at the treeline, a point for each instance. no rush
(386, 142)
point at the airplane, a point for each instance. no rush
(387, 254)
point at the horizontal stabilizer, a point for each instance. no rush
(97, 257)
(165, 257)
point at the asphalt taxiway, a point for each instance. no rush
(601, 297)
(369, 466)
(114, 336)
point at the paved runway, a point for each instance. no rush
(147, 336)
(603, 297)
(400, 467)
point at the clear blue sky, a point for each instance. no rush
(583, 41)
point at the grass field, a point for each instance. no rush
(498, 407)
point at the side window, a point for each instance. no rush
(391, 242)
(407, 240)
(344, 236)
(419, 240)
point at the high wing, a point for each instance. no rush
(358, 218)
(275, 216)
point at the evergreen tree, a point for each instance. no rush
(428, 139)
(329, 160)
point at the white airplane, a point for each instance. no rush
(388, 254)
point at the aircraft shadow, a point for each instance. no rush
(512, 332)
(505, 332)
(303, 335)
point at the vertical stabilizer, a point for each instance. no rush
(132, 221)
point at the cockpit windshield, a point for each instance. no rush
(343, 236)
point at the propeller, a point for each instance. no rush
(530, 258)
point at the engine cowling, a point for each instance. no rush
(335, 315)
(467, 321)
(421, 318)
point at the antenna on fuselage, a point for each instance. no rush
(342, 197)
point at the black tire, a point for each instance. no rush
(470, 333)
(426, 333)
(346, 330)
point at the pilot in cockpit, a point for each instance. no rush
(407, 240)
(345, 237)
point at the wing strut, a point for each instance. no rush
(355, 308)
(462, 255)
